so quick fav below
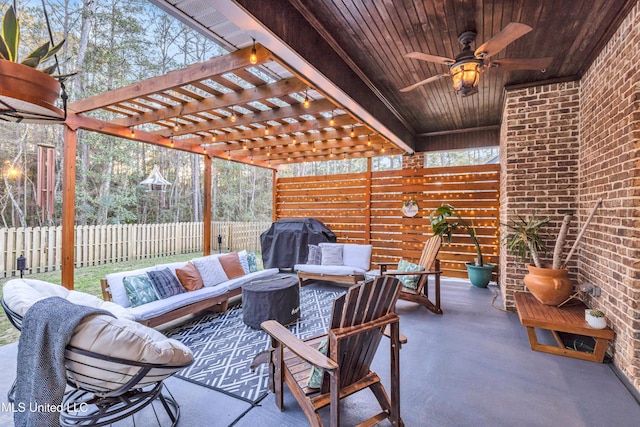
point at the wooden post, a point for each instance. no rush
(367, 203)
(274, 207)
(68, 206)
(206, 217)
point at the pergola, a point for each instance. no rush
(246, 108)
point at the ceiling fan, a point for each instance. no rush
(465, 69)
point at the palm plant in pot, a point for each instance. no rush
(549, 283)
(28, 94)
(479, 272)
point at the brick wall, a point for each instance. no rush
(610, 169)
(413, 162)
(539, 167)
(563, 146)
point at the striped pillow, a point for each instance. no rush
(165, 283)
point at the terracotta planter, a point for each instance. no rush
(549, 286)
(29, 94)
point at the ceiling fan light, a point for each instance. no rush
(466, 76)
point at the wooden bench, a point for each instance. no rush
(569, 319)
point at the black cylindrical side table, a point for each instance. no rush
(276, 298)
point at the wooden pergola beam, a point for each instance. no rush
(304, 126)
(259, 116)
(68, 207)
(244, 96)
(173, 79)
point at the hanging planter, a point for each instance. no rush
(28, 95)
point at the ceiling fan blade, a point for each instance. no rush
(431, 58)
(424, 82)
(521, 64)
(508, 35)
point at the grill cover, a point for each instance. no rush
(285, 243)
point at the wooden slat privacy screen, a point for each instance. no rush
(367, 208)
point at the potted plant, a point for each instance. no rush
(29, 93)
(479, 272)
(549, 283)
(595, 318)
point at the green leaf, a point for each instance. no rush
(4, 51)
(50, 69)
(34, 58)
(52, 51)
(11, 34)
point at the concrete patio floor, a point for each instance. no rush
(471, 366)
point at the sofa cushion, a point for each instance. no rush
(157, 308)
(335, 270)
(21, 294)
(357, 255)
(189, 277)
(242, 256)
(331, 253)
(231, 265)
(116, 285)
(409, 281)
(315, 255)
(139, 289)
(165, 283)
(122, 339)
(210, 269)
(253, 262)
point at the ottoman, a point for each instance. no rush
(277, 298)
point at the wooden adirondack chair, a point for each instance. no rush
(358, 322)
(431, 266)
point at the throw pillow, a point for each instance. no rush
(331, 254)
(139, 289)
(189, 277)
(315, 379)
(165, 283)
(242, 255)
(253, 262)
(211, 270)
(410, 282)
(231, 265)
(315, 255)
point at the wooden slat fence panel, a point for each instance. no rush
(339, 202)
(104, 244)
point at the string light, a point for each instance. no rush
(368, 140)
(133, 132)
(353, 132)
(382, 150)
(251, 159)
(175, 125)
(314, 147)
(171, 143)
(268, 151)
(229, 155)
(253, 57)
(266, 128)
(233, 117)
(306, 102)
(332, 121)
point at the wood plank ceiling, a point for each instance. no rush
(373, 37)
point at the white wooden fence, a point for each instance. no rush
(103, 244)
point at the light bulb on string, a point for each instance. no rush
(266, 128)
(368, 140)
(233, 117)
(133, 132)
(353, 132)
(175, 125)
(306, 102)
(332, 121)
(253, 57)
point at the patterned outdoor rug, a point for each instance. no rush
(224, 347)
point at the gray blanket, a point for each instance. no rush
(47, 328)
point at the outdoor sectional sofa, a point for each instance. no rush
(216, 292)
(335, 262)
